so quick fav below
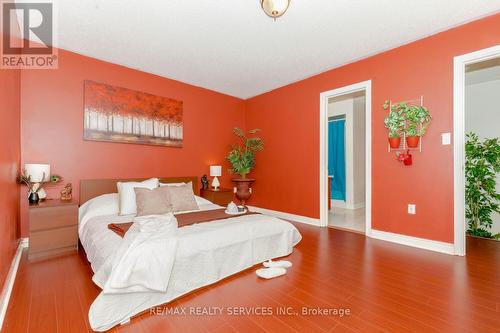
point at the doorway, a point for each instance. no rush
(345, 158)
(469, 69)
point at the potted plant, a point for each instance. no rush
(482, 164)
(394, 122)
(242, 159)
(417, 120)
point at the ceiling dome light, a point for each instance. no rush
(274, 8)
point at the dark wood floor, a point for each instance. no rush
(386, 287)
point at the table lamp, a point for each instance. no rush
(37, 173)
(215, 171)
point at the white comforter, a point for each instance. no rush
(206, 253)
(136, 265)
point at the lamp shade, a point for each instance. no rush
(37, 172)
(215, 170)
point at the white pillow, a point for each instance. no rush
(202, 201)
(106, 204)
(172, 184)
(127, 194)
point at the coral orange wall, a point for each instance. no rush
(9, 166)
(52, 126)
(288, 170)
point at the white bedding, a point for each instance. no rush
(206, 253)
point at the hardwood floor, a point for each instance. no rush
(386, 287)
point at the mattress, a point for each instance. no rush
(207, 252)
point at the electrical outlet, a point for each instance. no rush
(412, 209)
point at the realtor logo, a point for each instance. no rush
(28, 35)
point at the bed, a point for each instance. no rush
(206, 252)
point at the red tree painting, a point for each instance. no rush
(122, 115)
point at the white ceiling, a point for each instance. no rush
(233, 47)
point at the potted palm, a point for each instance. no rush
(394, 123)
(242, 159)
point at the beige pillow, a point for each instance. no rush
(181, 197)
(152, 202)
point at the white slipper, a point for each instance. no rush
(279, 263)
(269, 273)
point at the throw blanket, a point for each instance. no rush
(144, 260)
(184, 219)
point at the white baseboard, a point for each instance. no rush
(25, 242)
(420, 243)
(286, 216)
(9, 281)
(345, 205)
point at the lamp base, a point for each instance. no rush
(215, 183)
(33, 198)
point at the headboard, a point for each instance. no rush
(91, 188)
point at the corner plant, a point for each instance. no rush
(242, 155)
(482, 163)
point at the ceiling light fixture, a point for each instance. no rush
(274, 8)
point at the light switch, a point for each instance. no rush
(412, 209)
(446, 138)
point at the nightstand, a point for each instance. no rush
(53, 228)
(221, 196)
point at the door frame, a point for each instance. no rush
(459, 65)
(365, 86)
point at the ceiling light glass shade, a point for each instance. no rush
(275, 8)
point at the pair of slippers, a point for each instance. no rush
(273, 269)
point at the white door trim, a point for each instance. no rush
(323, 149)
(460, 62)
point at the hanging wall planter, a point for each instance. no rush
(412, 141)
(417, 119)
(394, 143)
(394, 123)
(406, 119)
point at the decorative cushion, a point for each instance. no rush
(152, 202)
(182, 198)
(127, 194)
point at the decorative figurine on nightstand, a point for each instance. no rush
(66, 193)
(204, 182)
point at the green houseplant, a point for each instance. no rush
(242, 159)
(394, 123)
(482, 163)
(242, 155)
(415, 120)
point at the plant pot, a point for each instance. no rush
(33, 198)
(243, 188)
(394, 142)
(412, 141)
